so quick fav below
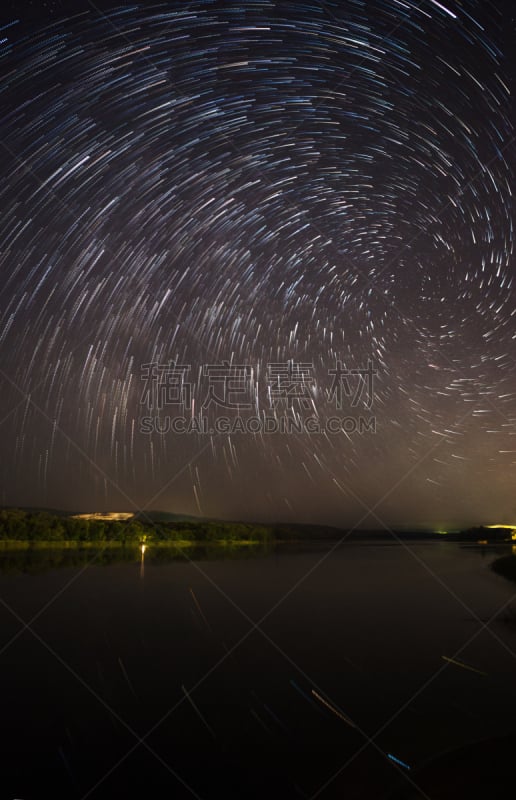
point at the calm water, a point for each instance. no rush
(166, 651)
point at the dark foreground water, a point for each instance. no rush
(160, 680)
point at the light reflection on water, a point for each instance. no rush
(355, 635)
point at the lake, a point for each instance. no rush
(298, 672)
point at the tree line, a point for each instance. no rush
(34, 526)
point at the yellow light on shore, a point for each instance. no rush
(511, 527)
(106, 516)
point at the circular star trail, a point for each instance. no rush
(260, 183)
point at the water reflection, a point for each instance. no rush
(35, 559)
(142, 562)
(248, 710)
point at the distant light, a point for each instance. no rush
(107, 516)
(511, 527)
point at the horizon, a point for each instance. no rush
(125, 514)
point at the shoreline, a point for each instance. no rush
(505, 567)
(66, 544)
(71, 544)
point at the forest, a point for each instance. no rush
(42, 526)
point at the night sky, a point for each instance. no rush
(257, 193)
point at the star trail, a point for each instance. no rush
(257, 184)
